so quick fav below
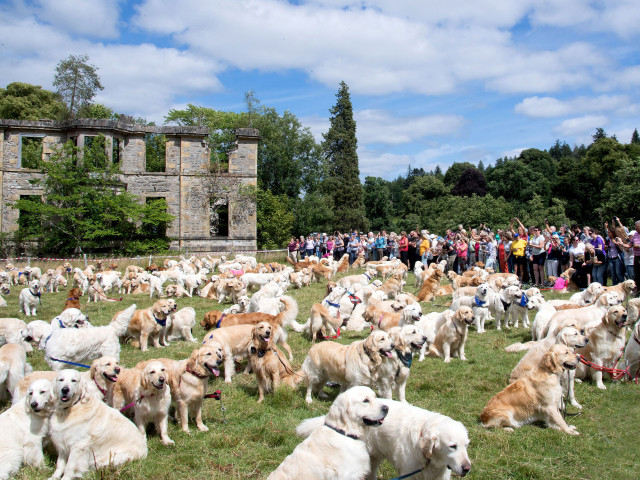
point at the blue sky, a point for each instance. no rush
(431, 82)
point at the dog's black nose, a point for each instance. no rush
(65, 390)
(117, 370)
(34, 405)
(466, 469)
(393, 345)
(161, 379)
(385, 409)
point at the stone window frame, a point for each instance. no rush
(221, 200)
(28, 135)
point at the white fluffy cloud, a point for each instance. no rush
(580, 125)
(93, 18)
(549, 107)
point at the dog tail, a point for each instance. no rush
(516, 347)
(120, 321)
(308, 426)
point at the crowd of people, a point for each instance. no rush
(537, 254)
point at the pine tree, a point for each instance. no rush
(635, 138)
(342, 181)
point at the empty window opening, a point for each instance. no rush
(156, 229)
(116, 154)
(31, 152)
(156, 152)
(95, 151)
(219, 217)
(29, 222)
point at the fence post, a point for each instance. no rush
(85, 260)
(29, 261)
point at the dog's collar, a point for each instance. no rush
(220, 320)
(34, 293)
(505, 305)
(405, 358)
(102, 391)
(335, 305)
(380, 321)
(162, 323)
(478, 302)
(61, 324)
(188, 370)
(259, 352)
(72, 298)
(342, 432)
(366, 350)
(524, 300)
(367, 275)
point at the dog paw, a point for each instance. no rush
(168, 443)
(602, 386)
(577, 380)
(509, 429)
(576, 405)
(203, 428)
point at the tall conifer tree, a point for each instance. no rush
(342, 181)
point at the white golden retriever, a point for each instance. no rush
(81, 345)
(182, 322)
(13, 368)
(87, 433)
(23, 427)
(336, 448)
(30, 298)
(413, 439)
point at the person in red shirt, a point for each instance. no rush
(404, 248)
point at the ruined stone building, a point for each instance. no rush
(212, 210)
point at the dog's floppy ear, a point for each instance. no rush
(144, 379)
(550, 362)
(428, 442)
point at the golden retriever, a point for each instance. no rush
(451, 337)
(87, 433)
(430, 286)
(349, 365)
(624, 289)
(268, 362)
(409, 438)
(606, 341)
(393, 286)
(235, 342)
(147, 395)
(188, 381)
(379, 318)
(535, 396)
(337, 449)
(73, 299)
(320, 319)
(395, 370)
(150, 323)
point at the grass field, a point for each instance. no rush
(256, 438)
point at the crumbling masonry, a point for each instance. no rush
(213, 211)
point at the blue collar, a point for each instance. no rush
(220, 320)
(405, 358)
(368, 277)
(524, 300)
(336, 305)
(61, 324)
(479, 303)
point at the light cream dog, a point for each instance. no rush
(452, 335)
(606, 341)
(336, 449)
(13, 368)
(24, 427)
(535, 396)
(413, 439)
(87, 433)
(349, 365)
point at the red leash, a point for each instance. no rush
(337, 335)
(616, 373)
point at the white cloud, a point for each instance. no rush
(580, 126)
(93, 18)
(549, 107)
(514, 152)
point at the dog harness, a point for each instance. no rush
(342, 432)
(260, 352)
(355, 300)
(505, 305)
(220, 320)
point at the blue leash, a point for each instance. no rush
(70, 363)
(407, 475)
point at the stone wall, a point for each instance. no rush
(187, 183)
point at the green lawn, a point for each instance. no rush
(256, 438)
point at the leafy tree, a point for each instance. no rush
(516, 181)
(622, 195)
(539, 161)
(471, 182)
(76, 81)
(23, 101)
(85, 207)
(96, 110)
(438, 173)
(423, 189)
(600, 133)
(313, 213)
(275, 220)
(342, 181)
(377, 202)
(454, 171)
(559, 151)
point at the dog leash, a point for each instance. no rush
(217, 395)
(616, 373)
(70, 363)
(407, 475)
